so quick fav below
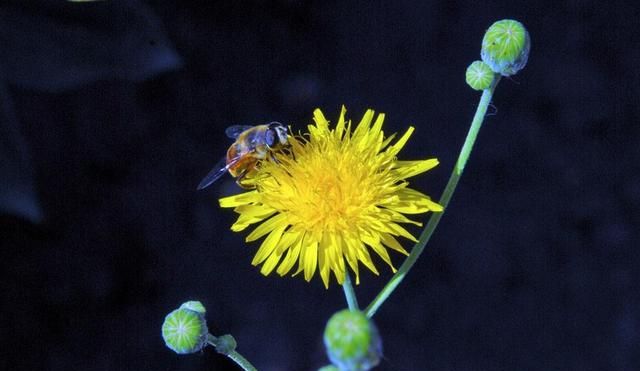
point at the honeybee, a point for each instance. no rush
(252, 145)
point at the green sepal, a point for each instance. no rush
(225, 344)
(195, 306)
(479, 75)
(185, 331)
(506, 46)
(352, 341)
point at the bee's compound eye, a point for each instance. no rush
(270, 137)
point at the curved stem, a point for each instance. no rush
(478, 118)
(349, 293)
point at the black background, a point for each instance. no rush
(117, 110)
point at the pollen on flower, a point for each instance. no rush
(338, 195)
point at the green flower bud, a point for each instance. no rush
(505, 47)
(352, 341)
(185, 330)
(479, 75)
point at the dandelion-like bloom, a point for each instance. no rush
(338, 194)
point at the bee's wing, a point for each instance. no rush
(234, 131)
(219, 170)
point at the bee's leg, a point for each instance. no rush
(240, 177)
(290, 151)
(273, 158)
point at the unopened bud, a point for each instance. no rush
(479, 75)
(352, 341)
(185, 330)
(505, 47)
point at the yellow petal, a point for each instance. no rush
(243, 222)
(271, 262)
(324, 265)
(375, 140)
(376, 130)
(391, 242)
(352, 260)
(385, 217)
(410, 201)
(309, 259)
(362, 254)
(407, 169)
(399, 218)
(337, 265)
(340, 125)
(289, 238)
(268, 245)
(336, 257)
(260, 210)
(394, 149)
(379, 249)
(340, 276)
(240, 199)
(400, 231)
(359, 135)
(331, 244)
(322, 125)
(365, 258)
(387, 140)
(267, 226)
(291, 257)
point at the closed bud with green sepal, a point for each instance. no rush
(479, 76)
(352, 341)
(185, 329)
(505, 47)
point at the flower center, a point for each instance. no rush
(335, 195)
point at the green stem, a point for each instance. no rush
(212, 340)
(241, 361)
(349, 293)
(234, 355)
(478, 118)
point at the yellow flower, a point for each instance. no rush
(337, 195)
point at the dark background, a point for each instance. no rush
(113, 111)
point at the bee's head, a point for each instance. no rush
(276, 135)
